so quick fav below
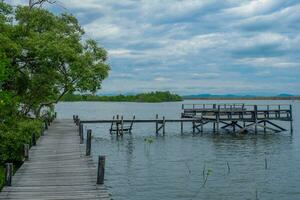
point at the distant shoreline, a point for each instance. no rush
(242, 98)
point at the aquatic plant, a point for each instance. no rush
(149, 140)
(228, 168)
(208, 173)
(188, 167)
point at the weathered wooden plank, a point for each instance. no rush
(57, 169)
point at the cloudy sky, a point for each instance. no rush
(195, 46)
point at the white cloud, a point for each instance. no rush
(253, 7)
(269, 62)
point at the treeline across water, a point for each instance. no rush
(157, 96)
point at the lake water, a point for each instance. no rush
(172, 166)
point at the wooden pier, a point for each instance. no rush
(57, 168)
(239, 117)
(236, 118)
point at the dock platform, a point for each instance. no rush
(236, 118)
(57, 169)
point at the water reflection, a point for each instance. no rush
(172, 166)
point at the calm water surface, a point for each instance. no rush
(172, 166)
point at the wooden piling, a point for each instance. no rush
(255, 118)
(131, 124)
(26, 152)
(81, 133)
(33, 138)
(111, 126)
(291, 119)
(218, 119)
(77, 120)
(201, 124)
(88, 142)
(194, 127)
(214, 127)
(46, 125)
(79, 129)
(42, 130)
(101, 170)
(164, 125)
(117, 124)
(122, 125)
(8, 173)
(156, 124)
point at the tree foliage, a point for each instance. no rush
(42, 57)
(46, 57)
(157, 96)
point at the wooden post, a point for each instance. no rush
(117, 124)
(255, 118)
(279, 108)
(88, 142)
(291, 118)
(233, 123)
(46, 125)
(33, 139)
(156, 123)
(101, 170)
(122, 125)
(8, 173)
(164, 125)
(55, 115)
(79, 129)
(194, 126)
(77, 120)
(74, 118)
(131, 125)
(201, 124)
(42, 130)
(26, 151)
(81, 133)
(218, 119)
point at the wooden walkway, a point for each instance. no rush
(57, 169)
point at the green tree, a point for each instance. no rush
(48, 58)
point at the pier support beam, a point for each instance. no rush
(164, 125)
(81, 132)
(26, 152)
(101, 170)
(291, 119)
(88, 142)
(194, 127)
(156, 124)
(255, 119)
(8, 173)
(218, 119)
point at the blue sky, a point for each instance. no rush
(195, 46)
